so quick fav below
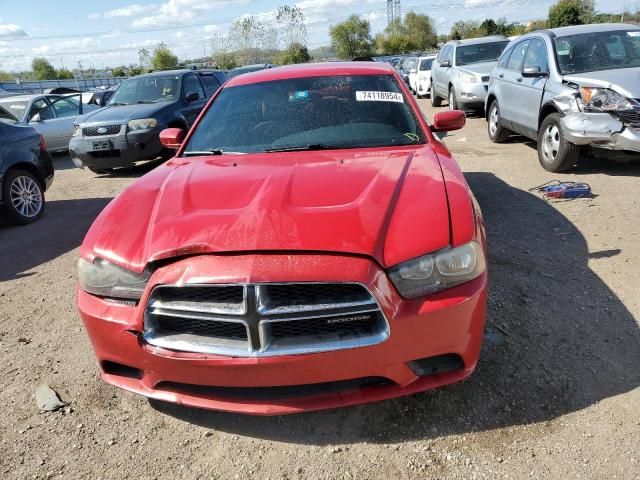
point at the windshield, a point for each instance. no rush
(590, 52)
(152, 89)
(481, 52)
(16, 108)
(308, 113)
(426, 64)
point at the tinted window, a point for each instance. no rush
(537, 56)
(481, 52)
(590, 52)
(65, 107)
(515, 61)
(151, 89)
(426, 64)
(445, 53)
(336, 112)
(211, 84)
(192, 84)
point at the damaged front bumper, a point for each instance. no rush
(601, 130)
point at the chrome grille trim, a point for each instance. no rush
(108, 130)
(359, 320)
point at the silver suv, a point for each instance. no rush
(569, 88)
(460, 72)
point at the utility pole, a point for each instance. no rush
(394, 13)
(61, 63)
(623, 8)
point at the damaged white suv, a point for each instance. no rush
(569, 88)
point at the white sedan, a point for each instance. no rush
(420, 76)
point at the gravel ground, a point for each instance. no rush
(555, 395)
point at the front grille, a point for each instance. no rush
(105, 153)
(108, 130)
(631, 117)
(485, 79)
(286, 392)
(263, 319)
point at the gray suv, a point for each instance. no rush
(460, 72)
(569, 88)
(127, 129)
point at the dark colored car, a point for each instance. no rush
(234, 72)
(127, 130)
(26, 171)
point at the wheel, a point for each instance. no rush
(23, 197)
(453, 101)
(436, 101)
(555, 153)
(497, 133)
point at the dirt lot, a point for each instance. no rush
(555, 395)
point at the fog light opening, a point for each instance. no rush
(120, 370)
(439, 364)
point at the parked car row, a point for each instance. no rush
(567, 88)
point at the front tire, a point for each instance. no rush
(436, 101)
(23, 197)
(453, 100)
(555, 153)
(497, 133)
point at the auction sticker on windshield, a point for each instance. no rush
(362, 96)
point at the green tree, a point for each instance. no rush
(144, 57)
(420, 31)
(224, 60)
(571, 12)
(295, 53)
(118, 72)
(42, 69)
(134, 70)
(465, 29)
(65, 74)
(6, 76)
(291, 22)
(352, 38)
(163, 58)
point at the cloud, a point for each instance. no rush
(41, 49)
(128, 11)
(11, 30)
(179, 12)
(211, 28)
(142, 44)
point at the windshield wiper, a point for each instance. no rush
(145, 101)
(118, 104)
(300, 148)
(213, 151)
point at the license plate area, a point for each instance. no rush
(102, 145)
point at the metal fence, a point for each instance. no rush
(39, 86)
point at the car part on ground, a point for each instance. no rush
(460, 72)
(26, 172)
(51, 115)
(214, 281)
(569, 88)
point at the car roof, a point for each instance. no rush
(593, 28)
(24, 97)
(475, 41)
(313, 70)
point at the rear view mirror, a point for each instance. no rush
(172, 138)
(448, 121)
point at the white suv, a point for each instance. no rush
(420, 76)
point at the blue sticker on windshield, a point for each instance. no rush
(301, 95)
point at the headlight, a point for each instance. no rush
(142, 124)
(603, 100)
(76, 132)
(106, 280)
(470, 78)
(438, 271)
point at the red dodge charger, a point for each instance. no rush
(311, 245)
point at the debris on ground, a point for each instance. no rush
(47, 399)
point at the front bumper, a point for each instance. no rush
(124, 150)
(601, 130)
(451, 322)
(471, 95)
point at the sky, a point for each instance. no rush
(100, 34)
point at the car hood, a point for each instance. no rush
(121, 113)
(625, 81)
(389, 205)
(483, 68)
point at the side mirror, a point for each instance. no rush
(192, 96)
(445, 63)
(172, 137)
(448, 121)
(35, 118)
(530, 72)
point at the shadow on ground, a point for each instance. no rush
(559, 341)
(61, 229)
(62, 161)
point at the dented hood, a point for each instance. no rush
(625, 81)
(388, 204)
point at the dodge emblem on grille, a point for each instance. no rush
(353, 318)
(101, 130)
